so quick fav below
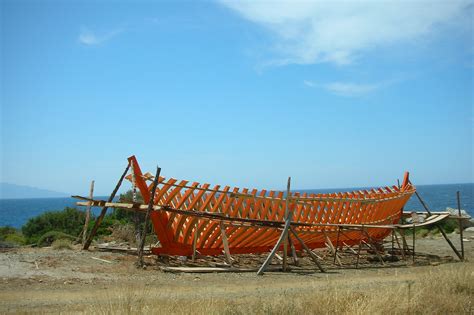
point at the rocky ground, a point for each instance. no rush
(44, 280)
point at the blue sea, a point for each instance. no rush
(16, 212)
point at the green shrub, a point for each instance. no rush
(62, 244)
(49, 237)
(69, 221)
(17, 239)
(7, 230)
(11, 236)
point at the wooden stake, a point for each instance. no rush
(88, 215)
(331, 247)
(285, 241)
(458, 195)
(104, 210)
(306, 248)
(228, 258)
(402, 249)
(360, 246)
(284, 235)
(293, 251)
(147, 217)
(196, 234)
(440, 228)
(414, 237)
(337, 243)
(136, 214)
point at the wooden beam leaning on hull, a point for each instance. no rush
(436, 217)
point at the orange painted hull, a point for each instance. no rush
(179, 234)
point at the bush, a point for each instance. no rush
(62, 244)
(17, 239)
(50, 237)
(11, 236)
(124, 232)
(7, 230)
(69, 221)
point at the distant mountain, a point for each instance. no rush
(12, 191)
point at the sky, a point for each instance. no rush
(333, 94)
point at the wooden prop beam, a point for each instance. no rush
(104, 210)
(331, 247)
(458, 197)
(88, 215)
(225, 242)
(284, 235)
(371, 244)
(309, 251)
(360, 247)
(147, 217)
(293, 251)
(440, 228)
(196, 234)
(285, 241)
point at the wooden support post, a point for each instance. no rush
(404, 241)
(285, 241)
(306, 248)
(371, 244)
(360, 246)
(293, 251)
(225, 242)
(458, 195)
(331, 247)
(196, 234)
(147, 217)
(88, 214)
(344, 244)
(136, 214)
(284, 235)
(104, 210)
(402, 249)
(414, 237)
(392, 244)
(337, 243)
(440, 228)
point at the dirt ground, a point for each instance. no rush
(44, 280)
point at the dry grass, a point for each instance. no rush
(447, 290)
(62, 244)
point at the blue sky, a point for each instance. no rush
(337, 94)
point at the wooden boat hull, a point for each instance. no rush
(337, 218)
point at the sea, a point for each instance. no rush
(16, 212)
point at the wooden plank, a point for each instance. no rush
(218, 216)
(205, 269)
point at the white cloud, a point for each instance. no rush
(338, 31)
(345, 88)
(88, 37)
